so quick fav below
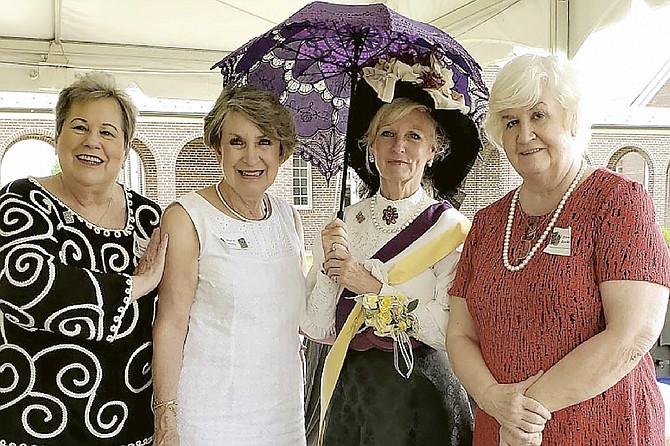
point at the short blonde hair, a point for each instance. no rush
(261, 107)
(523, 80)
(93, 86)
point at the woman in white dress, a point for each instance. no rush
(227, 367)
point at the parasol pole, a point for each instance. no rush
(355, 71)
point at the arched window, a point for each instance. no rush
(196, 167)
(635, 167)
(30, 157)
(132, 175)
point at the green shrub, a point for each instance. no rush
(666, 235)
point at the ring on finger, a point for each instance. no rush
(332, 247)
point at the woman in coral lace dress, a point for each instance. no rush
(562, 284)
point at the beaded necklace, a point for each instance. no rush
(550, 226)
(391, 230)
(266, 213)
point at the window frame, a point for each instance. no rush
(306, 167)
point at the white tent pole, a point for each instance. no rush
(560, 27)
(57, 21)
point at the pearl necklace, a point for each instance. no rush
(550, 226)
(266, 213)
(398, 228)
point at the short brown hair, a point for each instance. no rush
(92, 86)
(261, 107)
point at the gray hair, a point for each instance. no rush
(93, 86)
(521, 82)
(261, 107)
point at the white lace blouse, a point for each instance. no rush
(365, 239)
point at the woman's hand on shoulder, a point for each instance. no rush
(149, 270)
(514, 411)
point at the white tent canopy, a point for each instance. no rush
(166, 47)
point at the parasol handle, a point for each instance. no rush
(343, 186)
(355, 71)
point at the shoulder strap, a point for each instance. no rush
(426, 256)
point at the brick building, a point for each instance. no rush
(174, 160)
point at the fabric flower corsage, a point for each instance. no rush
(429, 74)
(392, 316)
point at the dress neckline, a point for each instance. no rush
(69, 214)
(250, 222)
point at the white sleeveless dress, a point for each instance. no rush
(242, 381)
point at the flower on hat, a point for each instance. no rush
(435, 79)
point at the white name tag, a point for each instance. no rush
(559, 243)
(235, 242)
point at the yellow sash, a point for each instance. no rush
(416, 262)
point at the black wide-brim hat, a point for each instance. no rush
(448, 171)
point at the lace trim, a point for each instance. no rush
(319, 322)
(143, 442)
(114, 329)
(405, 205)
(377, 269)
(315, 332)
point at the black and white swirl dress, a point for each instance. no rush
(75, 354)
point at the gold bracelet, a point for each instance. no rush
(170, 405)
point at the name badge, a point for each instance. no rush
(235, 242)
(559, 243)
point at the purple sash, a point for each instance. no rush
(367, 339)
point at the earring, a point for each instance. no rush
(430, 163)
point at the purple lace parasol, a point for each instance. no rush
(314, 58)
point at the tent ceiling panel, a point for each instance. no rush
(28, 19)
(158, 44)
(195, 24)
(509, 24)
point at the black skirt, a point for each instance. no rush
(374, 406)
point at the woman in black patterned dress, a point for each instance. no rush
(76, 254)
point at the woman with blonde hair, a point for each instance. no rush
(396, 252)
